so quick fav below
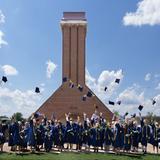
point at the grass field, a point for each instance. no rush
(74, 156)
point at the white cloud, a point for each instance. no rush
(42, 84)
(51, 67)
(156, 75)
(2, 17)
(105, 79)
(2, 41)
(132, 97)
(12, 101)
(158, 87)
(147, 13)
(147, 77)
(9, 70)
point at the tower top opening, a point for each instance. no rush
(74, 16)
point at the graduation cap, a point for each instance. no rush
(37, 90)
(117, 80)
(140, 107)
(153, 102)
(96, 107)
(105, 89)
(133, 116)
(126, 114)
(119, 102)
(4, 79)
(80, 87)
(64, 79)
(84, 97)
(111, 103)
(89, 94)
(71, 84)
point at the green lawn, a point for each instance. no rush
(74, 156)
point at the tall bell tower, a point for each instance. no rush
(74, 26)
(70, 99)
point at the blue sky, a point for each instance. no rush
(115, 40)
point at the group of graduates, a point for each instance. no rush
(95, 133)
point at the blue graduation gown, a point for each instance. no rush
(107, 136)
(16, 135)
(31, 136)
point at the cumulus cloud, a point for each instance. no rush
(51, 67)
(147, 77)
(134, 96)
(2, 17)
(9, 70)
(158, 87)
(130, 97)
(12, 101)
(2, 41)
(147, 13)
(105, 79)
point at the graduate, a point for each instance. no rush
(101, 134)
(94, 136)
(69, 132)
(156, 137)
(39, 132)
(31, 135)
(145, 135)
(117, 137)
(86, 133)
(121, 140)
(23, 140)
(135, 137)
(2, 138)
(61, 135)
(16, 136)
(127, 138)
(80, 130)
(52, 132)
(10, 136)
(47, 138)
(107, 137)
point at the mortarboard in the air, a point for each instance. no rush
(84, 97)
(71, 84)
(126, 114)
(37, 90)
(140, 107)
(4, 79)
(64, 79)
(117, 80)
(105, 89)
(89, 94)
(154, 102)
(80, 87)
(119, 102)
(111, 103)
(96, 107)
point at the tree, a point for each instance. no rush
(150, 116)
(17, 116)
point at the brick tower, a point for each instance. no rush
(71, 95)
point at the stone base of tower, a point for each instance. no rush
(66, 99)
